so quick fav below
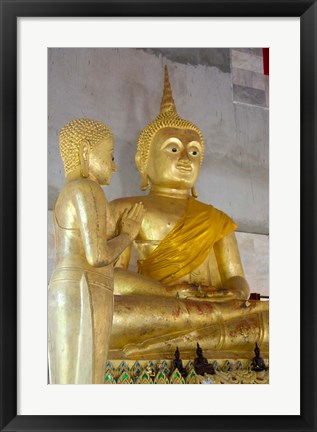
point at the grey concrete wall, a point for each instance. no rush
(223, 91)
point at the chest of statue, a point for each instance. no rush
(161, 217)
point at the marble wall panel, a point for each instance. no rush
(248, 95)
(250, 85)
(243, 60)
(267, 90)
(247, 78)
(252, 51)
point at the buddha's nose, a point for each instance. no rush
(114, 167)
(184, 156)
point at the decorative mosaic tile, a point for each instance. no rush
(227, 372)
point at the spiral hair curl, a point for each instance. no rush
(73, 133)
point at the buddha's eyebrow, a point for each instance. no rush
(172, 140)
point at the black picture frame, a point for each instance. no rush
(10, 11)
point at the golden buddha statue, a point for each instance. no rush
(190, 286)
(80, 295)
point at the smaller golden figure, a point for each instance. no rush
(80, 295)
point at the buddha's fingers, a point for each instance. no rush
(137, 212)
(124, 214)
(133, 211)
(141, 212)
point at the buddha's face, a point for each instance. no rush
(174, 159)
(101, 161)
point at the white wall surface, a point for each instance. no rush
(123, 88)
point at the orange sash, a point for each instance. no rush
(187, 246)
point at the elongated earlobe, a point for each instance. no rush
(144, 182)
(84, 158)
(194, 193)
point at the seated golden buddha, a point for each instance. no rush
(190, 286)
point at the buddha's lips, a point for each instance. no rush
(184, 168)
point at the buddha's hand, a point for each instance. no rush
(219, 295)
(225, 294)
(204, 293)
(131, 220)
(189, 291)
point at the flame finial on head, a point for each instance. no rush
(167, 103)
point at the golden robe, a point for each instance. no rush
(187, 246)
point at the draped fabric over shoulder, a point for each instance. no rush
(187, 246)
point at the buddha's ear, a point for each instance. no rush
(137, 159)
(144, 177)
(84, 149)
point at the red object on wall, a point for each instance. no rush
(266, 60)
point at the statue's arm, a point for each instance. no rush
(117, 208)
(230, 267)
(91, 210)
(124, 258)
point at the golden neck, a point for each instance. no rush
(169, 192)
(75, 174)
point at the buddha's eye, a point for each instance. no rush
(194, 152)
(173, 149)
(172, 146)
(112, 158)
